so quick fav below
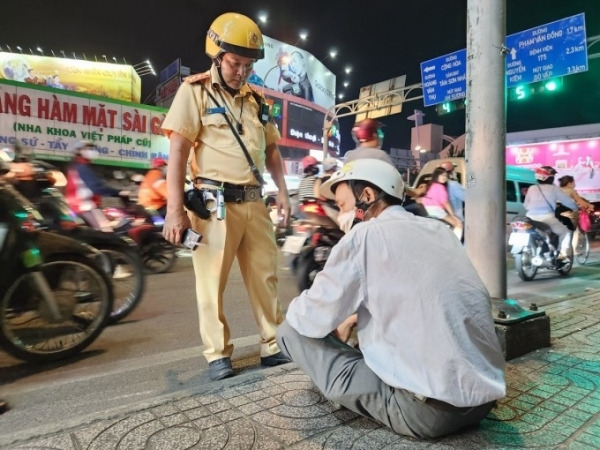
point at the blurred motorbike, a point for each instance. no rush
(311, 242)
(124, 266)
(144, 226)
(534, 247)
(55, 297)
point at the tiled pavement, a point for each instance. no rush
(553, 402)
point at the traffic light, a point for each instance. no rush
(448, 107)
(525, 91)
(552, 85)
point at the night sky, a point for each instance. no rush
(380, 39)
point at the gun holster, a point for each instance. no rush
(196, 201)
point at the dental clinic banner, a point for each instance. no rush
(47, 120)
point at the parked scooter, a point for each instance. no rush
(534, 247)
(55, 298)
(311, 242)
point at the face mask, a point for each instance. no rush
(89, 153)
(346, 220)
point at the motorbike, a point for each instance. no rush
(124, 266)
(55, 296)
(144, 226)
(535, 247)
(314, 235)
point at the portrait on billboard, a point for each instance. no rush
(293, 75)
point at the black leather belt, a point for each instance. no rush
(234, 192)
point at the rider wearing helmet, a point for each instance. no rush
(84, 188)
(540, 204)
(153, 190)
(310, 170)
(368, 135)
(207, 113)
(396, 278)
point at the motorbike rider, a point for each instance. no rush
(396, 278)
(153, 190)
(84, 187)
(540, 203)
(437, 202)
(368, 135)
(310, 169)
(456, 192)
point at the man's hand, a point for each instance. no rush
(344, 331)
(175, 225)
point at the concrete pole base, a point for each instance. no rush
(520, 338)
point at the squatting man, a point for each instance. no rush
(429, 361)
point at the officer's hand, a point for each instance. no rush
(284, 208)
(175, 225)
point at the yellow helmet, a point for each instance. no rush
(234, 33)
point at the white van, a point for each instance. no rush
(518, 180)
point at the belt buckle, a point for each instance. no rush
(250, 194)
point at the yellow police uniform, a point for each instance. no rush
(247, 230)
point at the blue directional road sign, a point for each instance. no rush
(552, 50)
(444, 78)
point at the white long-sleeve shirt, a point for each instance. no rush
(541, 199)
(424, 316)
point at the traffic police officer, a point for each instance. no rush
(198, 120)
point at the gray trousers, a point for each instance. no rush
(340, 373)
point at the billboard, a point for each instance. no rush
(388, 105)
(47, 121)
(579, 158)
(117, 81)
(294, 72)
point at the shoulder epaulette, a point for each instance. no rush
(197, 77)
(256, 92)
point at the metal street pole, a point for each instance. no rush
(485, 233)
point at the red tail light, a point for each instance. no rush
(521, 225)
(313, 208)
(315, 239)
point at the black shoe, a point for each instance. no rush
(275, 360)
(3, 406)
(219, 369)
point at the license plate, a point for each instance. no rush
(293, 244)
(518, 239)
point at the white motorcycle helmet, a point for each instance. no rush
(377, 172)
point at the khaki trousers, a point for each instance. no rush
(246, 233)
